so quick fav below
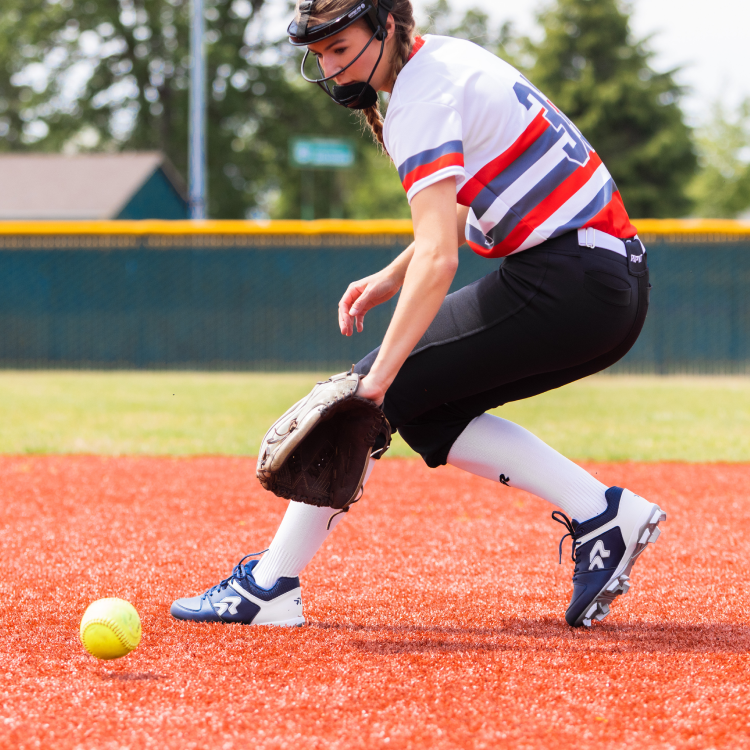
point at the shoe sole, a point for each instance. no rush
(296, 622)
(620, 583)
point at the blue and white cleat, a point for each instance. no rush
(239, 599)
(605, 549)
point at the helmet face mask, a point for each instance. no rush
(358, 95)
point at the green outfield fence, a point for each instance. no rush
(254, 296)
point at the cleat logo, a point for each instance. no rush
(504, 480)
(228, 603)
(596, 555)
(298, 600)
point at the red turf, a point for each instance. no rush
(435, 615)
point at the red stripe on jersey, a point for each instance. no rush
(498, 251)
(474, 185)
(425, 170)
(485, 252)
(510, 243)
(540, 213)
(613, 219)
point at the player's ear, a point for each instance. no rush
(390, 27)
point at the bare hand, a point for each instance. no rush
(369, 388)
(362, 296)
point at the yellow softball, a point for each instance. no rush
(110, 628)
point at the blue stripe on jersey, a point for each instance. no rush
(475, 235)
(552, 180)
(600, 200)
(555, 177)
(522, 164)
(504, 227)
(428, 156)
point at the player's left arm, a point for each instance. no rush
(428, 277)
(362, 295)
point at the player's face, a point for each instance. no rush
(336, 52)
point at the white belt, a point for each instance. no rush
(594, 238)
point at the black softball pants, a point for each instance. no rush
(546, 317)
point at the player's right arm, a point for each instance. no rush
(371, 291)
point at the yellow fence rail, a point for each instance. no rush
(652, 227)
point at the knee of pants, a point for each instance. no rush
(433, 441)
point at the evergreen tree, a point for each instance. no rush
(474, 26)
(721, 189)
(592, 69)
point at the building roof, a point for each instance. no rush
(80, 186)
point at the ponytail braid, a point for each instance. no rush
(403, 16)
(373, 118)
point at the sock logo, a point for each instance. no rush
(596, 555)
(228, 603)
(504, 480)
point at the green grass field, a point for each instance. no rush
(187, 413)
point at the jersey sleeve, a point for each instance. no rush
(425, 142)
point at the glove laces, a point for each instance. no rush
(345, 509)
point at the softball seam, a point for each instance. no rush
(114, 627)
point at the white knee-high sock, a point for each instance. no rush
(505, 452)
(301, 534)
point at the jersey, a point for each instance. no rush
(521, 166)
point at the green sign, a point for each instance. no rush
(316, 153)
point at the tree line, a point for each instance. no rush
(113, 75)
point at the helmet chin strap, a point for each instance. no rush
(357, 95)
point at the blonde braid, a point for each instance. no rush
(373, 117)
(403, 16)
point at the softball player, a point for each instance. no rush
(485, 158)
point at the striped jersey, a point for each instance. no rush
(521, 166)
